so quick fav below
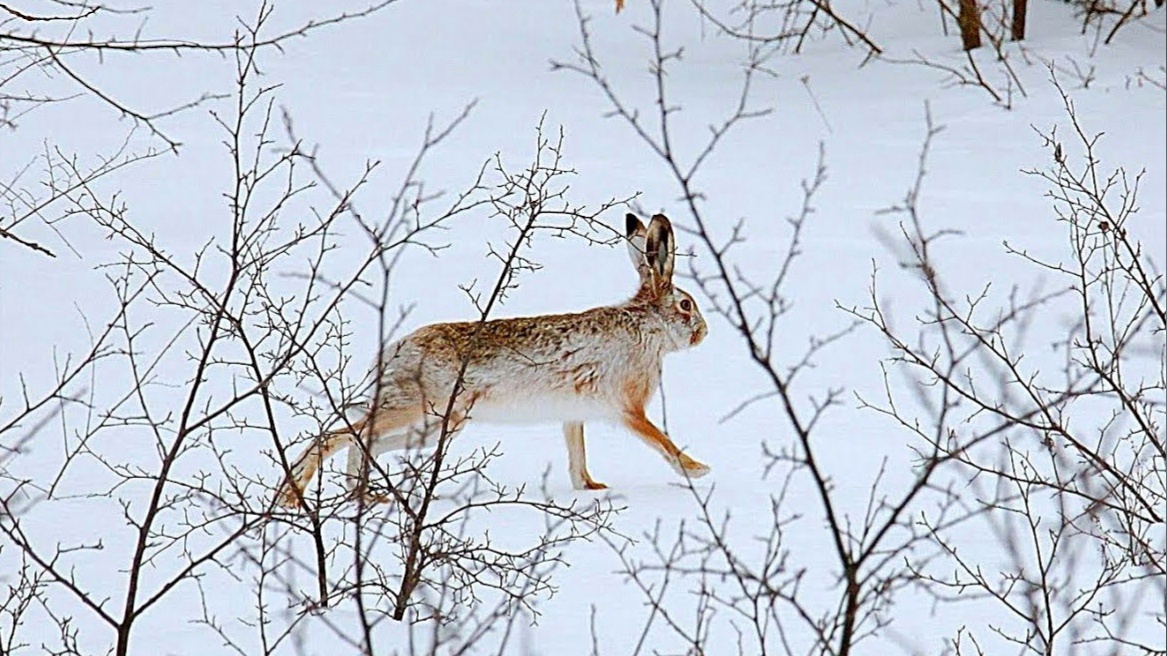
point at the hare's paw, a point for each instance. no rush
(586, 483)
(287, 497)
(692, 468)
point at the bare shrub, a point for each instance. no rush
(762, 598)
(1064, 452)
(242, 345)
(785, 26)
(47, 58)
(1062, 465)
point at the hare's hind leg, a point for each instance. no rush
(376, 438)
(361, 456)
(577, 458)
(405, 430)
(638, 423)
(304, 468)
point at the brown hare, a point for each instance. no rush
(601, 364)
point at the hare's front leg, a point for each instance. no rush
(638, 423)
(577, 458)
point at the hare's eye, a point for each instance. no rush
(686, 305)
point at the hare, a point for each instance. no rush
(603, 363)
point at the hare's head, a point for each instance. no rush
(653, 251)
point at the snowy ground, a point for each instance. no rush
(364, 91)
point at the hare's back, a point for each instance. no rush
(522, 370)
(524, 339)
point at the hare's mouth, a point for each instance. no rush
(698, 336)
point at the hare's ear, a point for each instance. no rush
(635, 233)
(660, 248)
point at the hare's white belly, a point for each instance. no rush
(539, 409)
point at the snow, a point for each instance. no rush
(365, 90)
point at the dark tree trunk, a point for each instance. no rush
(970, 24)
(1019, 9)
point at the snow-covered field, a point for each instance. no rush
(363, 91)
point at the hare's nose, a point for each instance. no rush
(698, 335)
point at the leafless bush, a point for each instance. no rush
(778, 28)
(771, 602)
(243, 345)
(46, 61)
(1067, 472)
(1002, 25)
(1065, 452)
(996, 23)
(1157, 78)
(1107, 17)
(428, 556)
(784, 26)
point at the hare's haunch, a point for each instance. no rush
(603, 363)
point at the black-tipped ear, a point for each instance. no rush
(632, 225)
(660, 248)
(635, 233)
